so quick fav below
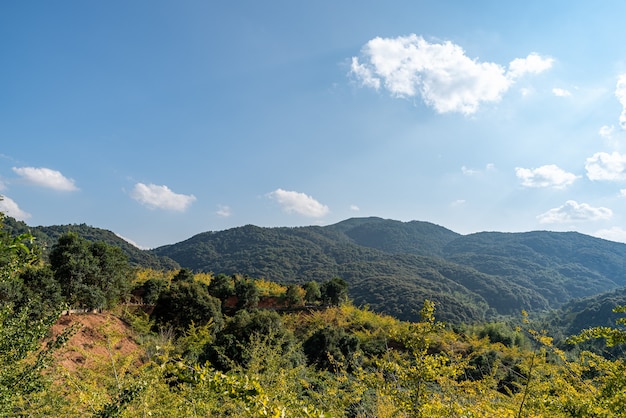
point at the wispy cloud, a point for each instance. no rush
(561, 92)
(10, 208)
(223, 211)
(615, 233)
(606, 131)
(620, 93)
(295, 202)
(545, 176)
(354, 208)
(46, 177)
(605, 166)
(473, 171)
(131, 242)
(161, 197)
(573, 211)
(441, 73)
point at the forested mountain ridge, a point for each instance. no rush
(394, 266)
(47, 236)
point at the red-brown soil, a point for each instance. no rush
(97, 336)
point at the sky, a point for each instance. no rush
(159, 120)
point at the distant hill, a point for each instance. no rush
(392, 266)
(47, 236)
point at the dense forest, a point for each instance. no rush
(393, 267)
(207, 343)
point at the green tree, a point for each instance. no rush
(294, 295)
(312, 292)
(334, 291)
(91, 275)
(222, 287)
(22, 354)
(186, 302)
(247, 293)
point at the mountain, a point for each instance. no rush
(47, 236)
(392, 266)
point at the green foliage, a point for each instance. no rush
(222, 287)
(23, 356)
(186, 302)
(312, 292)
(91, 275)
(247, 293)
(334, 291)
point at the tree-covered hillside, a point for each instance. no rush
(47, 236)
(393, 266)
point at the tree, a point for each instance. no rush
(186, 302)
(330, 348)
(222, 287)
(294, 295)
(91, 275)
(312, 292)
(22, 354)
(334, 291)
(247, 293)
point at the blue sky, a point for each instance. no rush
(162, 119)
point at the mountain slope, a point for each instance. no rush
(393, 266)
(47, 236)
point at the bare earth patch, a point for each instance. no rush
(97, 336)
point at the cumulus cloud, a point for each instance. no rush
(161, 197)
(354, 208)
(299, 203)
(561, 92)
(10, 208)
(441, 73)
(620, 93)
(532, 64)
(223, 211)
(46, 177)
(573, 211)
(615, 233)
(605, 166)
(545, 176)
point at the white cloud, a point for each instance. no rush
(131, 242)
(605, 166)
(572, 211)
(532, 64)
(223, 211)
(46, 177)
(354, 208)
(545, 176)
(620, 93)
(458, 202)
(615, 233)
(441, 73)
(561, 92)
(299, 203)
(161, 197)
(622, 193)
(10, 208)
(524, 91)
(472, 171)
(606, 131)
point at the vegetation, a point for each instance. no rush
(229, 344)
